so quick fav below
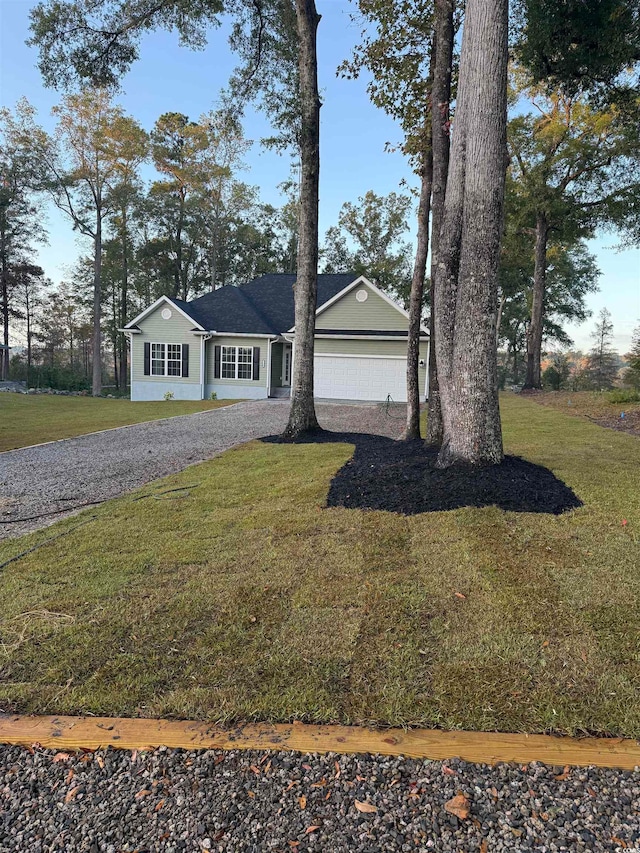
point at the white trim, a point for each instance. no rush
(129, 332)
(243, 335)
(356, 355)
(203, 339)
(153, 307)
(368, 337)
(269, 345)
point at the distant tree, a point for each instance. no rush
(20, 210)
(557, 373)
(368, 241)
(603, 362)
(573, 167)
(632, 373)
(28, 284)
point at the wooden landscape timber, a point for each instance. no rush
(75, 733)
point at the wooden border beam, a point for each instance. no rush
(72, 733)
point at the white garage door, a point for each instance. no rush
(360, 378)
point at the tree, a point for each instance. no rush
(410, 56)
(573, 167)
(603, 361)
(466, 280)
(82, 168)
(632, 373)
(20, 211)
(28, 283)
(367, 241)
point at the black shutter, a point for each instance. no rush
(185, 359)
(147, 359)
(217, 354)
(256, 363)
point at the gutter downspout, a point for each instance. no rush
(203, 337)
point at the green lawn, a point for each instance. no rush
(244, 598)
(33, 418)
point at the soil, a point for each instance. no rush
(401, 477)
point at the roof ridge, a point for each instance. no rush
(255, 308)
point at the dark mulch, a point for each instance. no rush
(401, 477)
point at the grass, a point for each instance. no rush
(596, 404)
(27, 419)
(244, 598)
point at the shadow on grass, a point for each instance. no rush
(401, 477)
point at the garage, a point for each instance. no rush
(344, 377)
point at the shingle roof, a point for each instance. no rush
(263, 306)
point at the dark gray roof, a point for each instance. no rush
(263, 306)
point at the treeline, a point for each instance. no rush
(164, 212)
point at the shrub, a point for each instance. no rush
(213, 396)
(168, 395)
(624, 395)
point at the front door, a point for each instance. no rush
(286, 366)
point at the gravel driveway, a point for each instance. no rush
(48, 479)
(173, 801)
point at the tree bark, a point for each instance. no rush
(466, 281)
(440, 116)
(302, 416)
(416, 298)
(534, 332)
(96, 384)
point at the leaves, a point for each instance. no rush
(564, 775)
(311, 829)
(302, 802)
(458, 806)
(72, 794)
(60, 756)
(365, 808)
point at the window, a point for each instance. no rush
(174, 359)
(236, 363)
(166, 359)
(157, 359)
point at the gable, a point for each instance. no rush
(375, 313)
(176, 329)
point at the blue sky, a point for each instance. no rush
(353, 160)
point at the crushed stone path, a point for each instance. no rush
(176, 801)
(45, 480)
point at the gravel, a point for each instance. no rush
(174, 801)
(53, 478)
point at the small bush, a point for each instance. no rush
(213, 396)
(168, 395)
(624, 395)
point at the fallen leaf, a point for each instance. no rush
(320, 784)
(311, 829)
(69, 777)
(337, 766)
(448, 771)
(562, 776)
(624, 522)
(293, 843)
(255, 769)
(267, 766)
(144, 793)
(458, 806)
(72, 794)
(327, 795)
(583, 655)
(218, 759)
(60, 756)
(134, 755)
(291, 785)
(494, 793)
(159, 806)
(619, 841)
(459, 595)
(251, 794)
(307, 766)
(545, 644)
(484, 846)
(302, 802)
(366, 808)
(100, 761)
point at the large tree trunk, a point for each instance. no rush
(416, 298)
(466, 281)
(440, 115)
(534, 333)
(302, 416)
(96, 384)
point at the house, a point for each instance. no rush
(239, 342)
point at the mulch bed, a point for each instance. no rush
(401, 477)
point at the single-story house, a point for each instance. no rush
(239, 342)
